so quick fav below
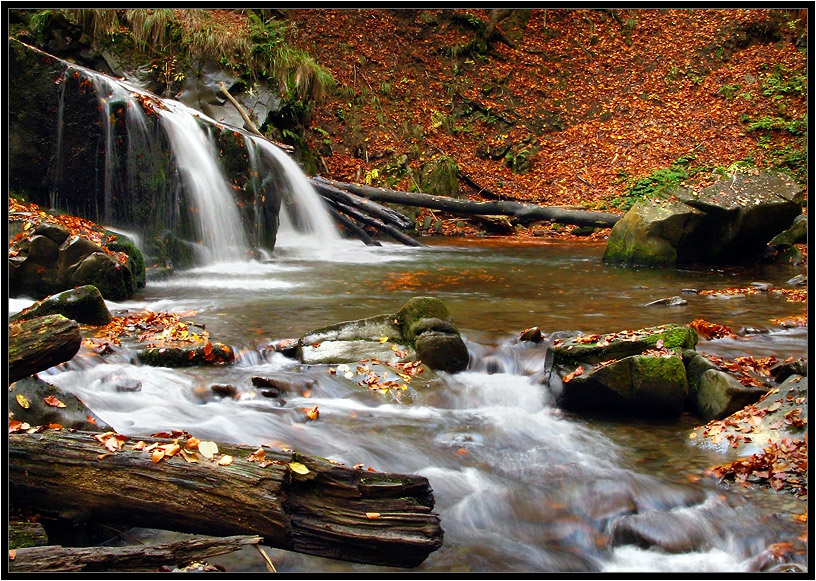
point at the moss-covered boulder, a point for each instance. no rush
(715, 393)
(596, 348)
(642, 384)
(83, 304)
(51, 260)
(38, 403)
(732, 219)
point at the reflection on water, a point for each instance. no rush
(519, 485)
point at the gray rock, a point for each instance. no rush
(533, 335)
(38, 412)
(442, 351)
(127, 384)
(674, 301)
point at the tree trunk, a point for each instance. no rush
(351, 226)
(330, 191)
(39, 343)
(330, 511)
(529, 212)
(375, 223)
(130, 558)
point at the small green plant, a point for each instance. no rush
(657, 184)
(793, 126)
(782, 81)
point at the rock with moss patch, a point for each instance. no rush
(596, 348)
(423, 328)
(732, 219)
(83, 304)
(642, 384)
(173, 356)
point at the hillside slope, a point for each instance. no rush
(581, 105)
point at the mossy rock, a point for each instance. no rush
(421, 308)
(136, 262)
(576, 350)
(639, 384)
(83, 304)
(208, 354)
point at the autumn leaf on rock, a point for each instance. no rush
(298, 467)
(21, 399)
(576, 373)
(312, 413)
(53, 401)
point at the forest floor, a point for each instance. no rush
(582, 105)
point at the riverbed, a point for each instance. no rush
(514, 477)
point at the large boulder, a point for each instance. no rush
(642, 384)
(83, 304)
(51, 260)
(715, 393)
(733, 219)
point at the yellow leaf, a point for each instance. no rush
(21, 399)
(225, 460)
(298, 467)
(208, 449)
(191, 457)
(383, 339)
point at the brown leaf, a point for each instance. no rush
(372, 515)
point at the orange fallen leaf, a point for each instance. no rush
(312, 413)
(158, 454)
(53, 401)
(372, 515)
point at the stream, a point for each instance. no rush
(519, 484)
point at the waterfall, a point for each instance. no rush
(316, 225)
(221, 230)
(217, 219)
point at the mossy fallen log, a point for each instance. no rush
(295, 502)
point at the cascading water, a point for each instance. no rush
(221, 229)
(317, 230)
(221, 232)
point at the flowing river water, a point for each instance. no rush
(519, 484)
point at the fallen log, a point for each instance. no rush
(39, 343)
(295, 502)
(56, 558)
(387, 215)
(375, 223)
(523, 211)
(352, 226)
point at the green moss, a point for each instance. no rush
(421, 308)
(136, 264)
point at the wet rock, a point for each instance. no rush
(287, 348)
(673, 532)
(127, 384)
(762, 287)
(784, 369)
(422, 328)
(798, 280)
(690, 291)
(715, 393)
(674, 301)
(442, 351)
(533, 334)
(27, 403)
(279, 385)
(653, 385)
(603, 500)
(224, 390)
(84, 305)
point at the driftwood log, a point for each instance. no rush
(375, 223)
(530, 212)
(56, 558)
(298, 503)
(352, 226)
(329, 191)
(39, 343)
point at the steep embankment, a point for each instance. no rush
(583, 103)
